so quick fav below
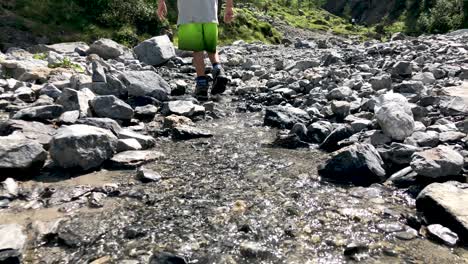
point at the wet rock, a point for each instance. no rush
(106, 49)
(134, 158)
(254, 250)
(146, 83)
(390, 227)
(331, 142)
(173, 121)
(9, 189)
(45, 230)
(445, 203)
(39, 113)
(144, 140)
(96, 199)
(128, 144)
(290, 141)
(359, 164)
(155, 51)
(285, 116)
(166, 258)
(111, 107)
(105, 123)
(146, 175)
(182, 108)
(21, 154)
(76, 100)
(437, 162)
(395, 116)
(408, 234)
(12, 243)
(443, 234)
(185, 132)
(402, 69)
(82, 146)
(354, 249)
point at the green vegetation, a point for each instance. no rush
(131, 21)
(416, 17)
(65, 63)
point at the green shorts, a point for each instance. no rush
(198, 37)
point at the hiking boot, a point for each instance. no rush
(201, 88)
(220, 80)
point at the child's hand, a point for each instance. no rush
(162, 10)
(229, 15)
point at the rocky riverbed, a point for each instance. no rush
(321, 151)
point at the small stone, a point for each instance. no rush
(128, 144)
(146, 175)
(443, 234)
(133, 159)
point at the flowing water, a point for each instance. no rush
(234, 198)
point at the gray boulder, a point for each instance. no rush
(106, 49)
(21, 154)
(394, 116)
(425, 77)
(155, 51)
(437, 162)
(39, 113)
(111, 107)
(397, 153)
(318, 131)
(146, 83)
(359, 164)
(285, 116)
(76, 100)
(445, 204)
(341, 93)
(442, 234)
(425, 139)
(12, 243)
(402, 69)
(411, 87)
(105, 123)
(381, 82)
(36, 131)
(99, 75)
(82, 146)
(51, 91)
(144, 140)
(185, 132)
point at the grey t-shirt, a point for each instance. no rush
(197, 11)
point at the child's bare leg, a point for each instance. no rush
(214, 57)
(199, 62)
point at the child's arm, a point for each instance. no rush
(229, 15)
(162, 10)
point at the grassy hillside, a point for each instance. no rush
(130, 21)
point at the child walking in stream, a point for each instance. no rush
(198, 32)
